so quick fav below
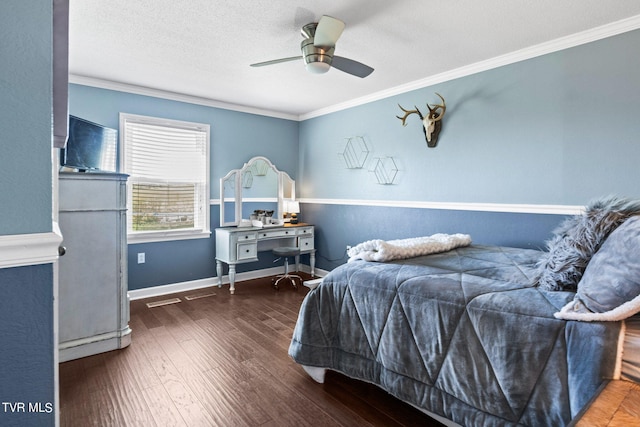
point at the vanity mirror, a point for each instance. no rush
(257, 185)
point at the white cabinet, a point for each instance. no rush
(93, 307)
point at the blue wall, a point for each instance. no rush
(339, 225)
(25, 116)
(27, 369)
(26, 354)
(558, 129)
(235, 138)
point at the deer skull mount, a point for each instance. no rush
(432, 122)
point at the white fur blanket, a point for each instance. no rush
(381, 250)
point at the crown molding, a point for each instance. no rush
(20, 250)
(173, 96)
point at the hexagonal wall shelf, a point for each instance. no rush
(385, 170)
(355, 152)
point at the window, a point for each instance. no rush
(168, 188)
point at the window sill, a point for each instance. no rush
(167, 236)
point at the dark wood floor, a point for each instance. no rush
(219, 360)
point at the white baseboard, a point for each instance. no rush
(76, 349)
(155, 291)
(191, 285)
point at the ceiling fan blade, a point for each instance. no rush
(328, 31)
(276, 61)
(352, 67)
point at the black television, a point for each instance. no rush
(90, 147)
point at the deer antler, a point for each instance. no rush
(407, 113)
(432, 110)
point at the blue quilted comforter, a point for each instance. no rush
(462, 334)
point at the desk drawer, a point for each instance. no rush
(247, 251)
(304, 231)
(273, 234)
(245, 236)
(306, 243)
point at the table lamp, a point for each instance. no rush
(292, 208)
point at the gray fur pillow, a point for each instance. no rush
(610, 287)
(578, 238)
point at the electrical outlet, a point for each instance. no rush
(141, 258)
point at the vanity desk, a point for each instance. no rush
(260, 186)
(237, 245)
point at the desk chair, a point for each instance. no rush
(286, 252)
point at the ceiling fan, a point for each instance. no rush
(317, 50)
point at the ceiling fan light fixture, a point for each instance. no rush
(318, 67)
(317, 64)
(317, 60)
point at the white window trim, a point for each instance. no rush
(172, 235)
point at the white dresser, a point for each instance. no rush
(93, 303)
(237, 245)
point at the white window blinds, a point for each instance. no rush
(168, 166)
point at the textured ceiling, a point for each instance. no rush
(203, 48)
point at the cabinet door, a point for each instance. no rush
(89, 274)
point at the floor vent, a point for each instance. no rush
(192, 297)
(163, 302)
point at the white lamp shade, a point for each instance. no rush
(292, 206)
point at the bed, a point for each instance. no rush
(476, 334)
